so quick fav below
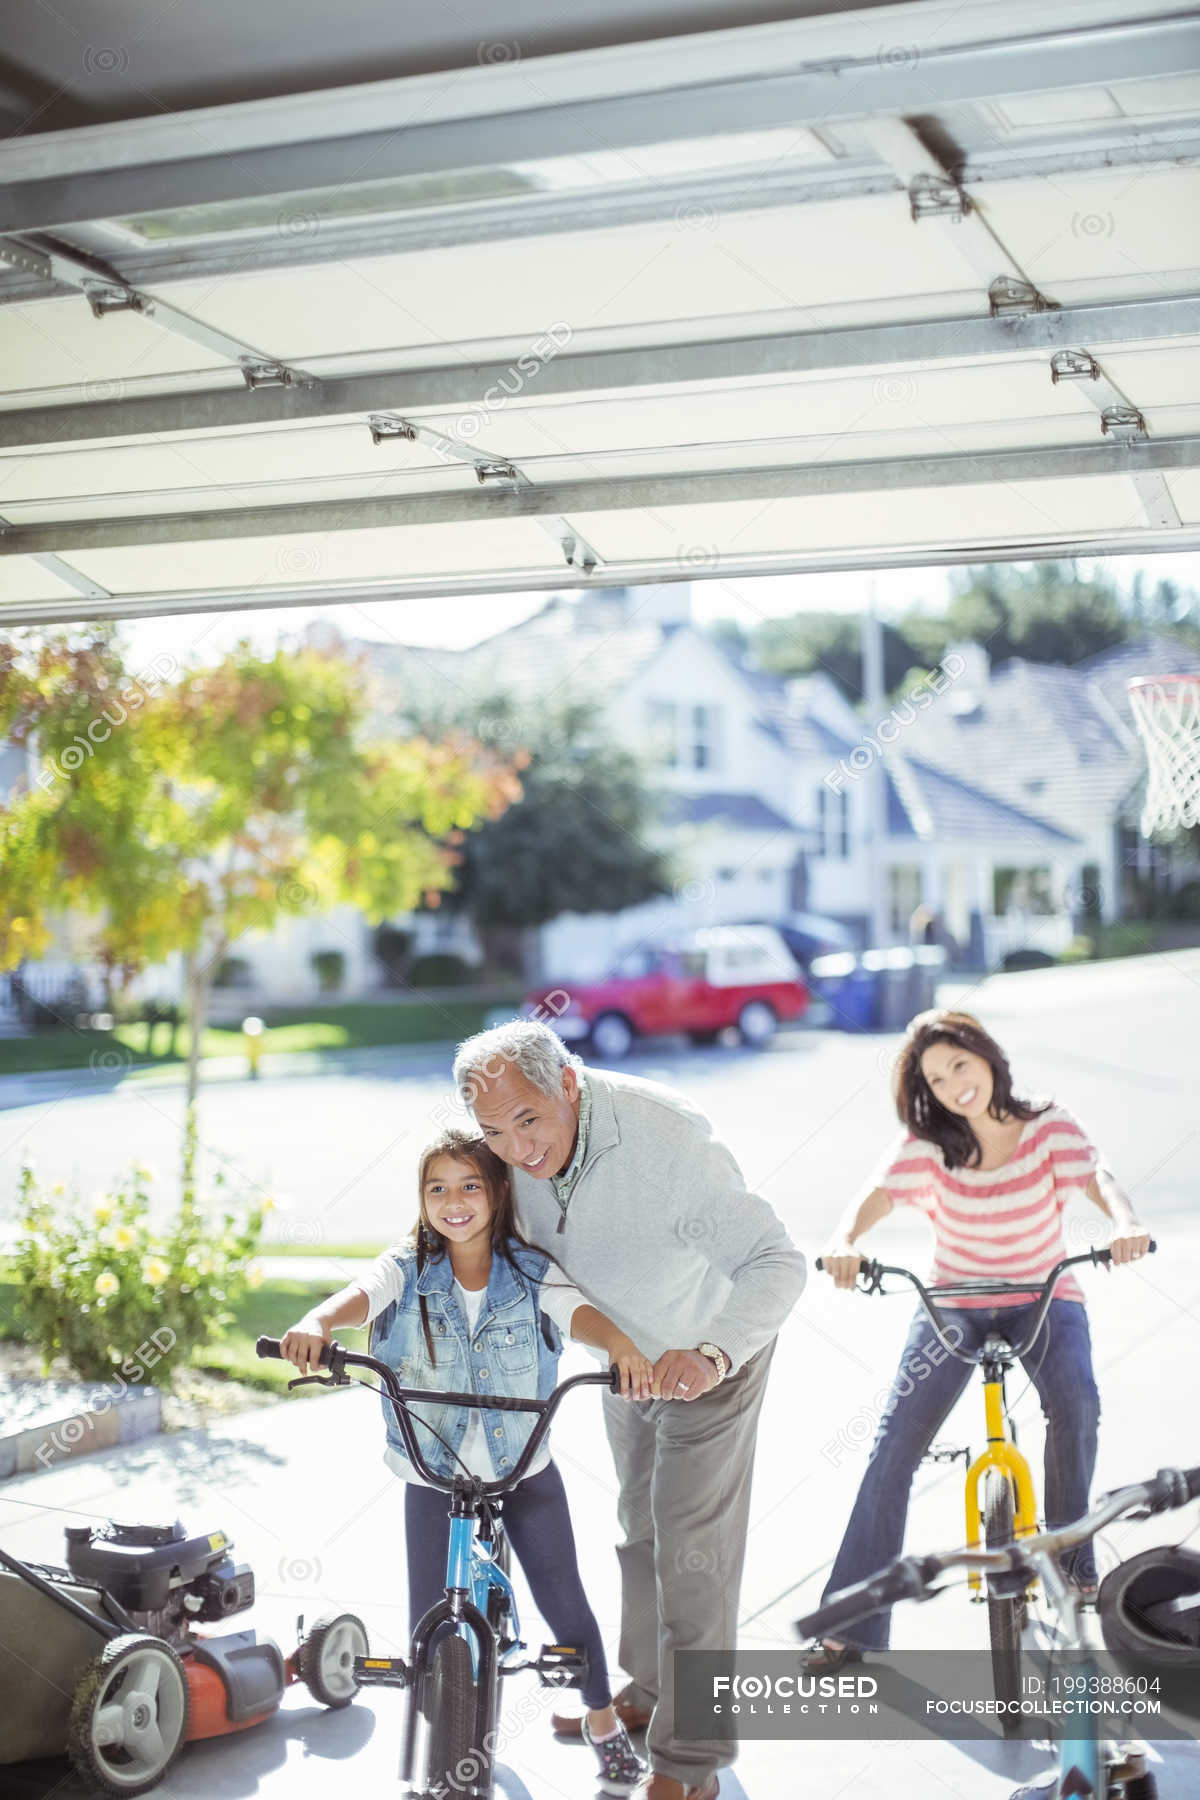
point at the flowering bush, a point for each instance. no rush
(97, 1280)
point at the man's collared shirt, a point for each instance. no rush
(564, 1184)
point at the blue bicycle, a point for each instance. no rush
(471, 1636)
(1156, 1629)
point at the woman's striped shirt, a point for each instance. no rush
(1004, 1223)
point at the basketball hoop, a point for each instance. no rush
(1167, 711)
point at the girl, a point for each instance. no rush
(469, 1305)
(992, 1174)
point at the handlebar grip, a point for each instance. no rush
(1171, 1488)
(269, 1346)
(1105, 1256)
(614, 1379)
(905, 1579)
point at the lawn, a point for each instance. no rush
(265, 1312)
(288, 1030)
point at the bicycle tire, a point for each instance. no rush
(455, 1766)
(1006, 1614)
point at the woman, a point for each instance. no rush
(992, 1173)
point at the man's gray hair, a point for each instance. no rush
(525, 1044)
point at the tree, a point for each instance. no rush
(182, 814)
(575, 841)
(831, 642)
(1044, 612)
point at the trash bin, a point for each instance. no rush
(850, 989)
(893, 972)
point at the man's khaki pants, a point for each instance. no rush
(684, 1469)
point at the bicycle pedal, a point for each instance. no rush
(947, 1453)
(381, 1671)
(561, 1665)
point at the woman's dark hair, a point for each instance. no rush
(924, 1115)
(431, 1246)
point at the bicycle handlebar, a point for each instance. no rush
(873, 1272)
(336, 1358)
(912, 1577)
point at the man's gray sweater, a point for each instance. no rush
(661, 1233)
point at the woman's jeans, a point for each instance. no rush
(537, 1522)
(926, 1387)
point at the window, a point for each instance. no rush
(904, 895)
(1022, 891)
(704, 748)
(833, 823)
(663, 723)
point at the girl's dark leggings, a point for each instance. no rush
(538, 1523)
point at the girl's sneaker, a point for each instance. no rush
(621, 1768)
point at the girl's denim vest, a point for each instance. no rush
(513, 1350)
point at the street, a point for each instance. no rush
(318, 1517)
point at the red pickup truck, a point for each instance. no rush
(701, 983)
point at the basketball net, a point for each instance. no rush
(1167, 711)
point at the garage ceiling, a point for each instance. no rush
(902, 284)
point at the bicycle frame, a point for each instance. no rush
(997, 1356)
(471, 1568)
(1082, 1758)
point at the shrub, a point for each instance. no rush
(330, 966)
(440, 969)
(1080, 949)
(95, 1281)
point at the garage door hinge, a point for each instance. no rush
(103, 298)
(1008, 295)
(381, 427)
(1122, 421)
(1074, 365)
(258, 374)
(937, 197)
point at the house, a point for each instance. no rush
(1003, 802)
(1059, 742)
(765, 803)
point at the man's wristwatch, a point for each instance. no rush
(717, 1356)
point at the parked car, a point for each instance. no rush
(810, 934)
(701, 983)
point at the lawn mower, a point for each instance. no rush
(157, 1682)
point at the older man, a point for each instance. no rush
(622, 1181)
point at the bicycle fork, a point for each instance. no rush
(1002, 1454)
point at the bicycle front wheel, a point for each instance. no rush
(457, 1769)
(1006, 1614)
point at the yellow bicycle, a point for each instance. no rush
(1000, 1500)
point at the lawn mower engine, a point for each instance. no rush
(168, 1583)
(164, 1580)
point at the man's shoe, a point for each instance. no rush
(665, 1787)
(632, 1714)
(821, 1659)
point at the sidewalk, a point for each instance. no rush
(45, 1085)
(301, 1489)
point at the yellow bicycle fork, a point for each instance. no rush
(1001, 1453)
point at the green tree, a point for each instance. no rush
(576, 841)
(1044, 612)
(832, 642)
(182, 813)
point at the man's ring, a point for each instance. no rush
(681, 1387)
